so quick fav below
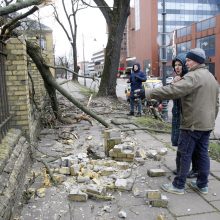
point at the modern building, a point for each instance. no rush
(206, 35)
(145, 24)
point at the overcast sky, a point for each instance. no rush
(91, 25)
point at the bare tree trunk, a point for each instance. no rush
(33, 51)
(116, 20)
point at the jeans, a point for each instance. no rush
(194, 161)
(139, 104)
(190, 141)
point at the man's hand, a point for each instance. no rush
(176, 79)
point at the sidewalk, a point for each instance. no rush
(54, 203)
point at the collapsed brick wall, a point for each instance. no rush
(15, 161)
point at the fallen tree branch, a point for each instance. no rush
(48, 171)
(33, 51)
(148, 129)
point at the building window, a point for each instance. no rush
(204, 25)
(42, 43)
(207, 44)
(137, 14)
(183, 47)
(183, 31)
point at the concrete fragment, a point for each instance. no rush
(83, 179)
(151, 153)
(153, 194)
(59, 178)
(122, 165)
(122, 214)
(124, 184)
(156, 172)
(77, 195)
(161, 217)
(64, 170)
(159, 203)
(163, 151)
(74, 169)
(95, 189)
(41, 192)
(107, 171)
(140, 153)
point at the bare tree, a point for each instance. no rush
(116, 18)
(70, 28)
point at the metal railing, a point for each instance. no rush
(4, 108)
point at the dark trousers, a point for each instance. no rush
(194, 161)
(190, 141)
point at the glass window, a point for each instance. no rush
(183, 47)
(207, 44)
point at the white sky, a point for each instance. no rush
(91, 25)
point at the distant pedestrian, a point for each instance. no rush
(180, 69)
(198, 91)
(136, 79)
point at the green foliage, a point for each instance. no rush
(152, 123)
(214, 150)
(86, 91)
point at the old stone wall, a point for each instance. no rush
(15, 161)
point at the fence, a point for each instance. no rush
(4, 108)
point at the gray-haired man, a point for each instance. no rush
(198, 91)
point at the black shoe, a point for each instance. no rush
(192, 174)
(130, 113)
(138, 114)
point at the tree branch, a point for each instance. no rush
(13, 22)
(34, 52)
(20, 5)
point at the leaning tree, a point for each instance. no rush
(8, 28)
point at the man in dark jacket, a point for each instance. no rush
(198, 91)
(136, 79)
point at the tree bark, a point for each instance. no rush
(33, 51)
(19, 5)
(116, 20)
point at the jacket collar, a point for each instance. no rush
(200, 66)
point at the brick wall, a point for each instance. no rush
(17, 83)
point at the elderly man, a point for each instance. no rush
(198, 91)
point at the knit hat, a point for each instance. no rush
(197, 55)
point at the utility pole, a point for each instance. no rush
(84, 66)
(164, 60)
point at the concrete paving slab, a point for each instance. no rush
(214, 166)
(188, 204)
(206, 216)
(214, 191)
(216, 204)
(216, 174)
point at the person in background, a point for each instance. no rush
(198, 91)
(136, 79)
(180, 69)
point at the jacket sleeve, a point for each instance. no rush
(173, 91)
(141, 77)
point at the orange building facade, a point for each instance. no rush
(144, 25)
(206, 35)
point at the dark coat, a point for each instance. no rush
(176, 110)
(136, 79)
